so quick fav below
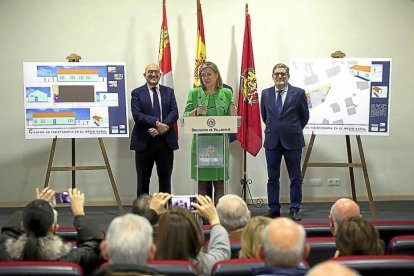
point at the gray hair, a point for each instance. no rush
(129, 239)
(141, 204)
(285, 257)
(233, 212)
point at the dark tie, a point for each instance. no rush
(155, 103)
(279, 103)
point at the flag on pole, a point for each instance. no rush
(250, 132)
(164, 56)
(201, 45)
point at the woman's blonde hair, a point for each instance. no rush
(251, 236)
(212, 66)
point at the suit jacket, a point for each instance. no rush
(286, 128)
(141, 108)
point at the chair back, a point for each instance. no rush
(401, 245)
(40, 268)
(206, 229)
(379, 265)
(235, 246)
(321, 249)
(389, 229)
(317, 229)
(67, 233)
(174, 267)
(236, 267)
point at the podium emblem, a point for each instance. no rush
(211, 149)
(211, 122)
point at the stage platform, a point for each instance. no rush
(311, 212)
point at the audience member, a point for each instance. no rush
(128, 246)
(357, 236)
(180, 238)
(341, 209)
(251, 237)
(283, 248)
(140, 206)
(233, 214)
(329, 268)
(151, 207)
(37, 240)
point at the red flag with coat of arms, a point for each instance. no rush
(250, 132)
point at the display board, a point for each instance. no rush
(346, 96)
(75, 100)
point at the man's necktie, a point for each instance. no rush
(279, 103)
(155, 103)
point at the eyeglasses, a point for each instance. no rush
(153, 72)
(280, 74)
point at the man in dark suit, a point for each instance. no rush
(153, 138)
(285, 112)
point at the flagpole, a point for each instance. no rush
(198, 14)
(244, 181)
(249, 135)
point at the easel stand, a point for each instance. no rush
(351, 165)
(75, 168)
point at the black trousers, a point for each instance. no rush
(206, 188)
(162, 155)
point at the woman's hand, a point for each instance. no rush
(233, 110)
(201, 110)
(205, 208)
(46, 194)
(77, 201)
(158, 202)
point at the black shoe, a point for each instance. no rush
(295, 216)
(271, 214)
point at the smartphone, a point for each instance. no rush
(183, 201)
(62, 198)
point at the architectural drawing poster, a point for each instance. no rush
(75, 100)
(345, 96)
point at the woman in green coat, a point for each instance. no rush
(210, 99)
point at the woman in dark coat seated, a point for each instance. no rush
(37, 241)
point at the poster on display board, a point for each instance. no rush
(346, 96)
(75, 100)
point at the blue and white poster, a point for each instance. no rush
(75, 100)
(346, 96)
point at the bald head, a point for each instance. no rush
(152, 74)
(341, 209)
(152, 66)
(283, 243)
(329, 268)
